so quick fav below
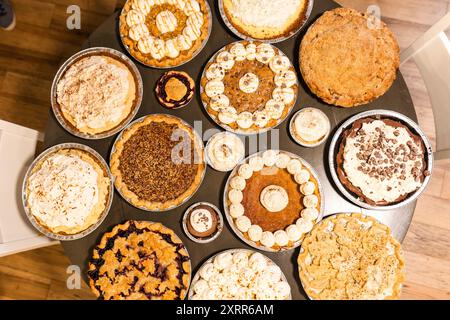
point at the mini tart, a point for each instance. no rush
(145, 173)
(140, 260)
(381, 161)
(266, 19)
(65, 213)
(274, 230)
(175, 89)
(164, 33)
(249, 87)
(96, 94)
(368, 57)
(351, 257)
(202, 222)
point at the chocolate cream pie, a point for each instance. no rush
(175, 89)
(158, 162)
(381, 161)
(202, 222)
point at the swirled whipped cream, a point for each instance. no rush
(63, 191)
(95, 92)
(224, 151)
(274, 198)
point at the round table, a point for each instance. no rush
(397, 98)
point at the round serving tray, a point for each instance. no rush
(96, 51)
(208, 9)
(414, 127)
(241, 131)
(274, 40)
(211, 259)
(230, 219)
(102, 217)
(200, 143)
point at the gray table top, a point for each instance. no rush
(397, 99)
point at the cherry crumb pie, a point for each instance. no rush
(140, 260)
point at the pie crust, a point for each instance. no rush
(140, 260)
(164, 180)
(150, 21)
(351, 256)
(103, 183)
(346, 60)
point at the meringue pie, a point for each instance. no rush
(273, 199)
(249, 87)
(164, 33)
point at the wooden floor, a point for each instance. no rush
(29, 58)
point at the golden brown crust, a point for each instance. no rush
(125, 190)
(166, 62)
(345, 60)
(340, 265)
(140, 260)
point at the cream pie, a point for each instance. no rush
(351, 257)
(202, 222)
(310, 127)
(381, 161)
(224, 151)
(249, 87)
(96, 94)
(239, 274)
(67, 191)
(273, 199)
(266, 19)
(164, 33)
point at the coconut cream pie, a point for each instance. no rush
(381, 161)
(351, 257)
(96, 94)
(273, 200)
(224, 151)
(249, 87)
(67, 191)
(266, 19)
(164, 33)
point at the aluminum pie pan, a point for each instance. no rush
(274, 40)
(96, 51)
(220, 223)
(199, 141)
(202, 46)
(298, 141)
(211, 259)
(323, 221)
(102, 217)
(414, 127)
(242, 131)
(230, 219)
(208, 146)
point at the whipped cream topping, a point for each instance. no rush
(63, 191)
(274, 198)
(310, 126)
(224, 151)
(94, 92)
(201, 220)
(284, 77)
(383, 161)
(265, 13)
(240, 274)
(166, 22)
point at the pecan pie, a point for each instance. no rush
(348, 58)
(158, 162)
(273, 200)
(249, 87)
(164, 33)
(67, 191)
(266, 19)
(349, 257)
(381, 161)
(140, 260)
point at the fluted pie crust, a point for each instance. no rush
(323, 257)
(197, 152)
(140, 260)
(165, 62)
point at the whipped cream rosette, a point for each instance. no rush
(272, 199)
(249, 87)
(239, 274)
